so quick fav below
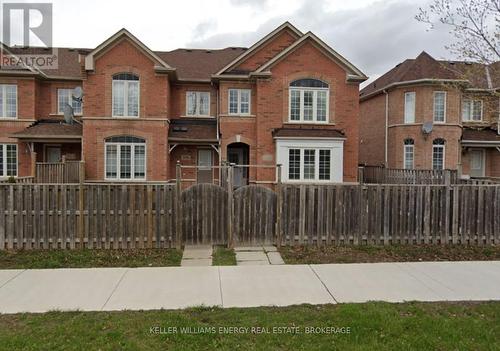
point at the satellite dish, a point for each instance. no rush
(427, 127)
(68, 114)
(77, 94)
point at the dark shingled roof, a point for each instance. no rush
(426, 67)
(307, 132)
(193, 64)
(193, 130)
(51, 129)
(486, 134)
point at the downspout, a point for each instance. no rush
(386, 127)
(217, 112)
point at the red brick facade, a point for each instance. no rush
(162, 99)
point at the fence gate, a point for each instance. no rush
(204, 215)
(254, 215)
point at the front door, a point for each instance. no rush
(477, 163)
(53, 154)
(240, 174)
(205, 173)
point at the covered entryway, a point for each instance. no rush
(480, 153)
(238, 154)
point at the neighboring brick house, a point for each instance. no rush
(430, 114)
(288, 99)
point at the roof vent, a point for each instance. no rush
(208, 52)
(189, 50)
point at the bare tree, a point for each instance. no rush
(474, 25)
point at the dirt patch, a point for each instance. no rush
(393, 253)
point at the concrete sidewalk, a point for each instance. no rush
(109, 289)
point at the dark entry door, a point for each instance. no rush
(238, 157)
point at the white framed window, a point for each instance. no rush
(408, 153)
(472, 110)
(198, 103)
(8, 101)
(440, 106)
(239, 101)
(125, 95)
(438, 154)
(125, 158)
(310, 160)
(64, 96)
(8, 160)
(308, 101)
(409, 107)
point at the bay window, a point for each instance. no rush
(8, 160)
(125, 95)
(8, 101)
(308, 101)
(239, 101)
(125, 158)
(440, 106)
(472, 110)
(310, 160)
(65, 96)
(198, 103)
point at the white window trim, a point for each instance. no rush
(3, 113)
(413, 156)
(434, 106)
(70, 99)
(472, 110)
(4, 156)
(125, 98)
(444, 156)
(314, 107)
(335, 145)
(132, 162)
(239, 102)
(197, 112)
(405, 118)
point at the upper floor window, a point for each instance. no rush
(439, 106)
(198, 103)
(8, 101)
(125, 95)
(472, 110)
(408, 153)
(309, 101)
(125, 158)
(8, 160)
(64, 96)
(239, 101)
(410, 107)
(438, 154)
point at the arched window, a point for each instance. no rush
(125, 95)
(309, 101)
(438, 153)
(125, 158)
(408, 153)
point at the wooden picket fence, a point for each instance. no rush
(35, 216)
(381, 175)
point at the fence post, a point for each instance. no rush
(279, 206)
(447, 177)
(178, 207)
(81, 172)
(230, 205)
(361, 175)
(33, 165)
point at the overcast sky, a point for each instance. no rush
(373, 35)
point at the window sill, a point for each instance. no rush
(9, 118)
(61, 114)
(310, 123)
(197, 116)
(238, 115)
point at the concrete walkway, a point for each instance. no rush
(197, 255)
(108, 289)
(257, 256)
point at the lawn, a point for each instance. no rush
(25, 259)
(370, 326)
(223, 257)
(390, 253)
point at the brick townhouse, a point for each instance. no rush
(289, 99)
(431, 114)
